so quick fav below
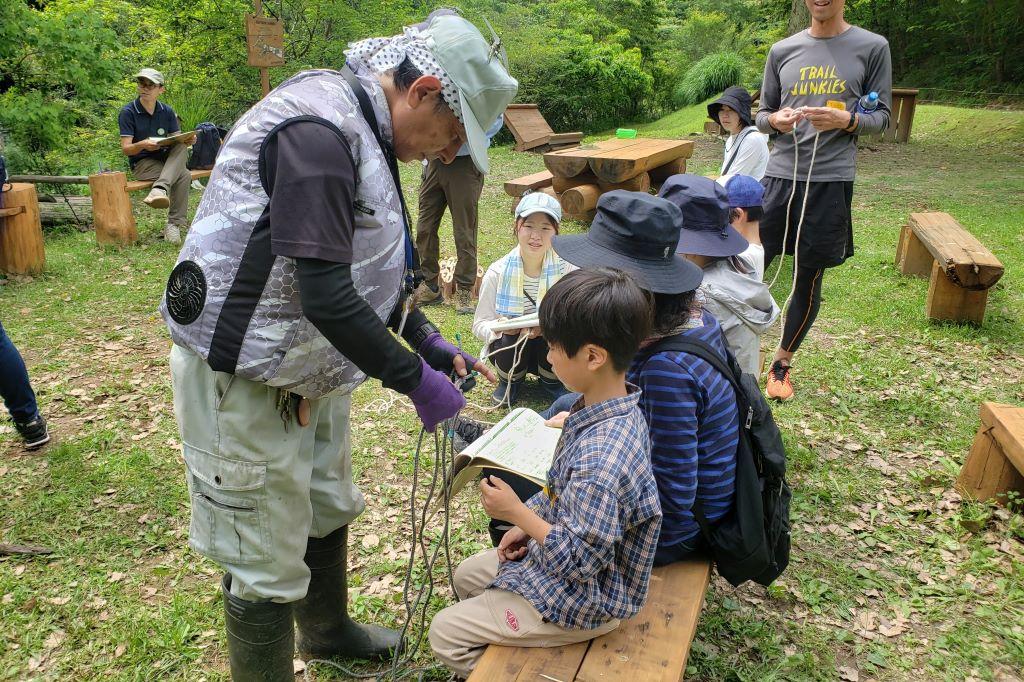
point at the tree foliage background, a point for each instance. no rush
(65, 65)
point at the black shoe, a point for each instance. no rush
(498, 397)
(466, 431)
(497, 529)
(261, 638)
(324, 627)
(33, 432)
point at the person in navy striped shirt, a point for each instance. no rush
(690, 408)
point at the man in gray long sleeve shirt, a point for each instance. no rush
(812, 84)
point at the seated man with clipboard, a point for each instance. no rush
(151, 138)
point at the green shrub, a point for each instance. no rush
(580, 84)
(710, 76)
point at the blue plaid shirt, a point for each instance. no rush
(596, 561)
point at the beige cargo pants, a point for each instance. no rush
(172, 177)
(460, 633)
(259, 486)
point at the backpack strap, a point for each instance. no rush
(412, 259)
(736, 150)
(707, 353)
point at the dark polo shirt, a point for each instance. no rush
(135, 121)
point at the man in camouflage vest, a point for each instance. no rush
(293, 276)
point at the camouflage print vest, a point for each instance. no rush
(237, 305)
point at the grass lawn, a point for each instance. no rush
(893, 576)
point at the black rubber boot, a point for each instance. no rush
(325, 629)
(261, 638)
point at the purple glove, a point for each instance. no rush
(439, 354)
(436, 398)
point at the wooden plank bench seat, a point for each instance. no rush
(136, 185)
(532, 131)
(995, 464)
(650, 647)
(111, 208)
(961, 268)
(516, 187)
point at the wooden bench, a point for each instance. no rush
(532, 131)
(995, 464)
(960, 267)
(650, 647)
(112, 209)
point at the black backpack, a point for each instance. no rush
(751, 542)
(207, 144)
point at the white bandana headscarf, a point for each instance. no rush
(384, 54)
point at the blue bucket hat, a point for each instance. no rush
(743, 190)
(635, 232)
(705, 207)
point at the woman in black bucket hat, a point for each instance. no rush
(746, 149)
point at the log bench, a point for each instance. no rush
(112, 209)
(995, 464)
(650, 647)
(961, 268)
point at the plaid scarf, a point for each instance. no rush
(510, 301)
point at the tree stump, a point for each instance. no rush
(112, 210)
(21, 235)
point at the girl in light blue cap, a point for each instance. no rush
(513, 288)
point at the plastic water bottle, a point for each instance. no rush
(867, 103)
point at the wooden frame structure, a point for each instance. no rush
(533, 133)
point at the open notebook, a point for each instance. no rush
(519, 443)
(172, 139)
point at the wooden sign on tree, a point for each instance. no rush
(265, 37)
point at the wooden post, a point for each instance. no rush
(264, 71)
(112, 210)
(912, 257)
(21, 235)
(948, 301)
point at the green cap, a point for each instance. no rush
(476, 68)
(151, 74)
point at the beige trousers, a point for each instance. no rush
(172, 177)
(259, 486)
(460, 633)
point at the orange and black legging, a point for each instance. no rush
(803, 307)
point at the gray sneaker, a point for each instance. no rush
(157, 198)
(172, 235)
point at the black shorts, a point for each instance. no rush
(826, 239)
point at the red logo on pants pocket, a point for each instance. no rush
(510, 618)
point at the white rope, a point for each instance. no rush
(799, 229)
(799, 226)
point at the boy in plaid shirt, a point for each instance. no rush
(579, 557)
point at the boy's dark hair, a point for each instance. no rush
(754, 213)
(602, 306)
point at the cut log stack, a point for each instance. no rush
(578, 177)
